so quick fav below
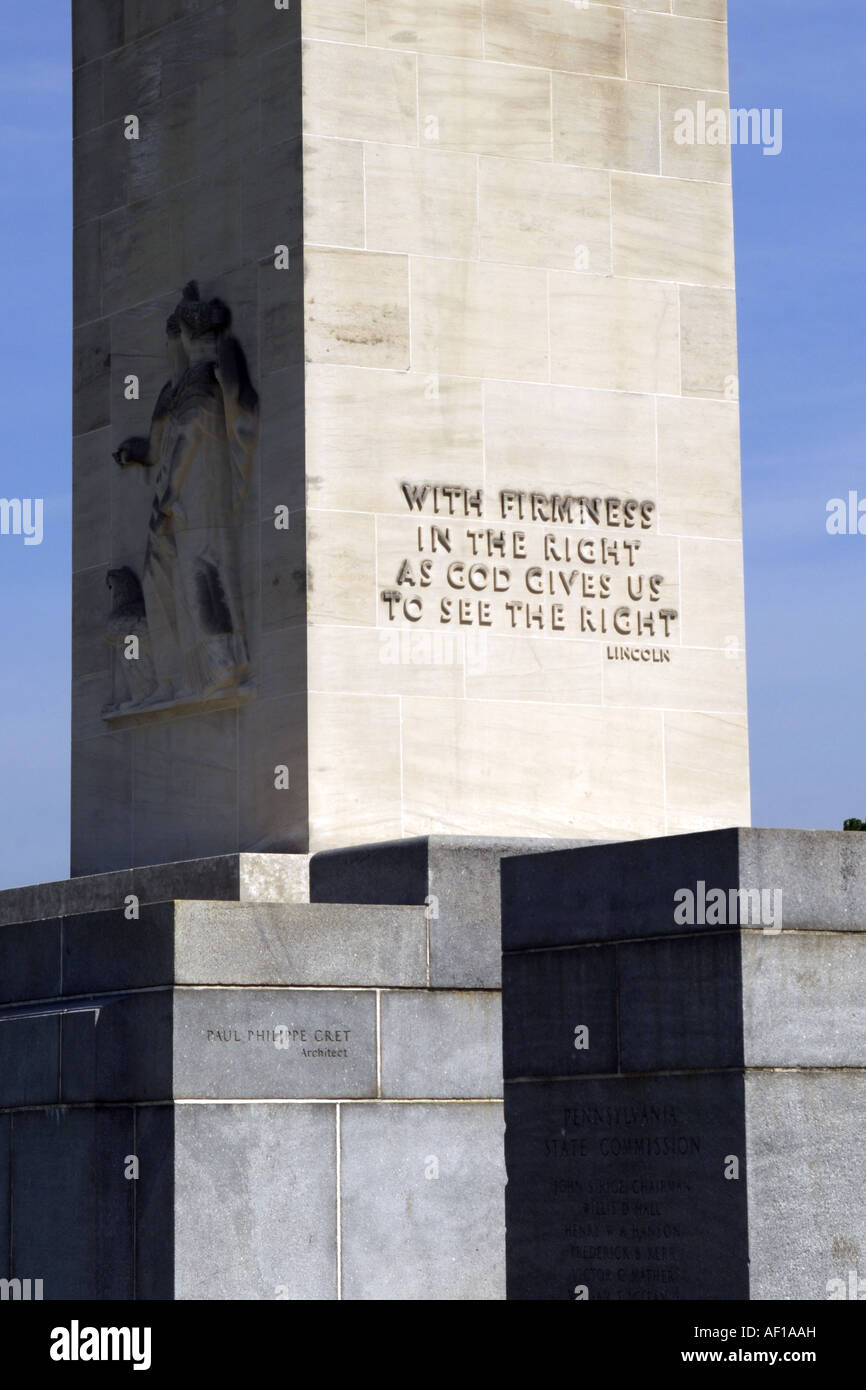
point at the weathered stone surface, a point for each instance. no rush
(255, 1189)
(283, 878)
(307, 944)
(421, 1202)
(807, 1229)
(603, 122)
(680, 51)
(803, 998)
(802, 863)
(443, 1043)
(633, 324)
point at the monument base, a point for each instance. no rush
(685, 1063)
(212, 1087)
(258, 1077)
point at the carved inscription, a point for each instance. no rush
(620, 1189)
(533, 563)
(303, 1042)
(624, 1230)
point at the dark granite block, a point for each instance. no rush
(159, 64)
(191, 766)
(617, 1189)
(101, 803)
(72, 1206)
(551, 994)
(281, 307)
(610, 892)
(119, 1049)
(143, 16)
(681, 1003)
(29, 1058)
(140, 256)
(281, 445)
(5, 1192)
(393, 871)
(29, 961)
(104, 951)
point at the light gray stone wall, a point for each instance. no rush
(807, 1232)
(516, 277)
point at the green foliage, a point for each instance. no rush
(854, 824)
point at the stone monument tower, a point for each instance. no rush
(406, 540)
(421, 502)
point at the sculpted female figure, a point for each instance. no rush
(201, 443)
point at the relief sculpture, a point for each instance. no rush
(186, 609)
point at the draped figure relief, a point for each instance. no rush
(192, 642)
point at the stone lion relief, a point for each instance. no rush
(185, 610)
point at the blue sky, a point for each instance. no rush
(802, 309)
